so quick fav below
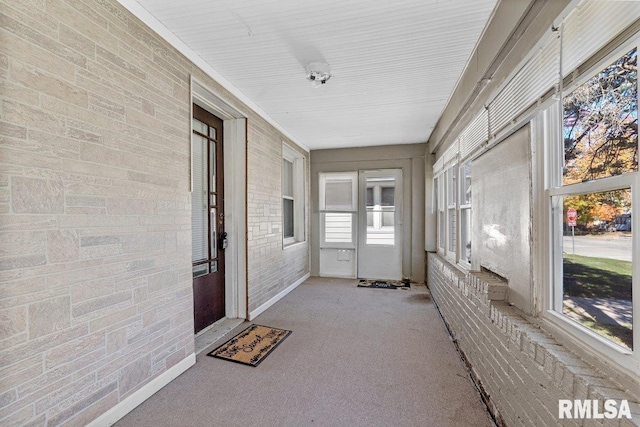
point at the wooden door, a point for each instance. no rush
(207, 219)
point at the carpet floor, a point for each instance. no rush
(356, 357)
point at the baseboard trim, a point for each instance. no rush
(110, 417)
(255, 313)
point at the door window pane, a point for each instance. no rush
(212, 165)
(214, 233)
(199, 211)
(596, 264)
(198, 126)
(200, 270)
(381, 213)
(370, 197)
(386, 196)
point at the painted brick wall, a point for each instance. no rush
(522, 370)
(95, 241)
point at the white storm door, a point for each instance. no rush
(380, 224)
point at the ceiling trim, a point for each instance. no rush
(141, 13)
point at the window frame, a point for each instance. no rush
(463, 207)
(451, 207)
(446, 186)
(322, 178)
(554, 190)
(441, 223)
(297, 160)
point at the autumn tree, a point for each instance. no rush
(601, 137)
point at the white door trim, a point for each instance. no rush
(235, 190)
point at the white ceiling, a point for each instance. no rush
(394, 63)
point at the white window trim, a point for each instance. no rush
(628, 360)
(298, 177)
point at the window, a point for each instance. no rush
(338, 207)
(451, 190)
(593, 199)
(440, 217)
(293, 182)
(465, 214)
(447, 218)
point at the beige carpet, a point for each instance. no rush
(357, 357)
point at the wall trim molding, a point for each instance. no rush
(255, 313)
(114, 414)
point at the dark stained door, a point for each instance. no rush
(207, 219)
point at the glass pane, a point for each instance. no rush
(386, 196)
(199, 126)
(338, 227)
(465, 235)
(451, 222)
(381, 213)
(601, 124)
(370, 197)
(287, 213)
(440, 203)
(212, 165)
(214, 233)
(465, 193)
(596, 264)
(338, 194)
(214, 266)
(441, 229)
(287, 178)
(200, 270)
(199, 213)
(212, 132)
(451, 186)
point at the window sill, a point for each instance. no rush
(292, 244)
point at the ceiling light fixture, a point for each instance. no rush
(318, 73)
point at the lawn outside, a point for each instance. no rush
(597, 294)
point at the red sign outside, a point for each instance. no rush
(572, 215)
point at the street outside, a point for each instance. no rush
(611, 317)
(616, 246)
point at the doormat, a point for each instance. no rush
(251, 346)
(385, 284)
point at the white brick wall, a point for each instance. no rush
(271, 268)
(522, 370)
(95, 241)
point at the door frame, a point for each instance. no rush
(235, 189)
(398, 219)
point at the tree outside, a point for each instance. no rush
(601, 140)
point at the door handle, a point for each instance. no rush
(222, 241)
